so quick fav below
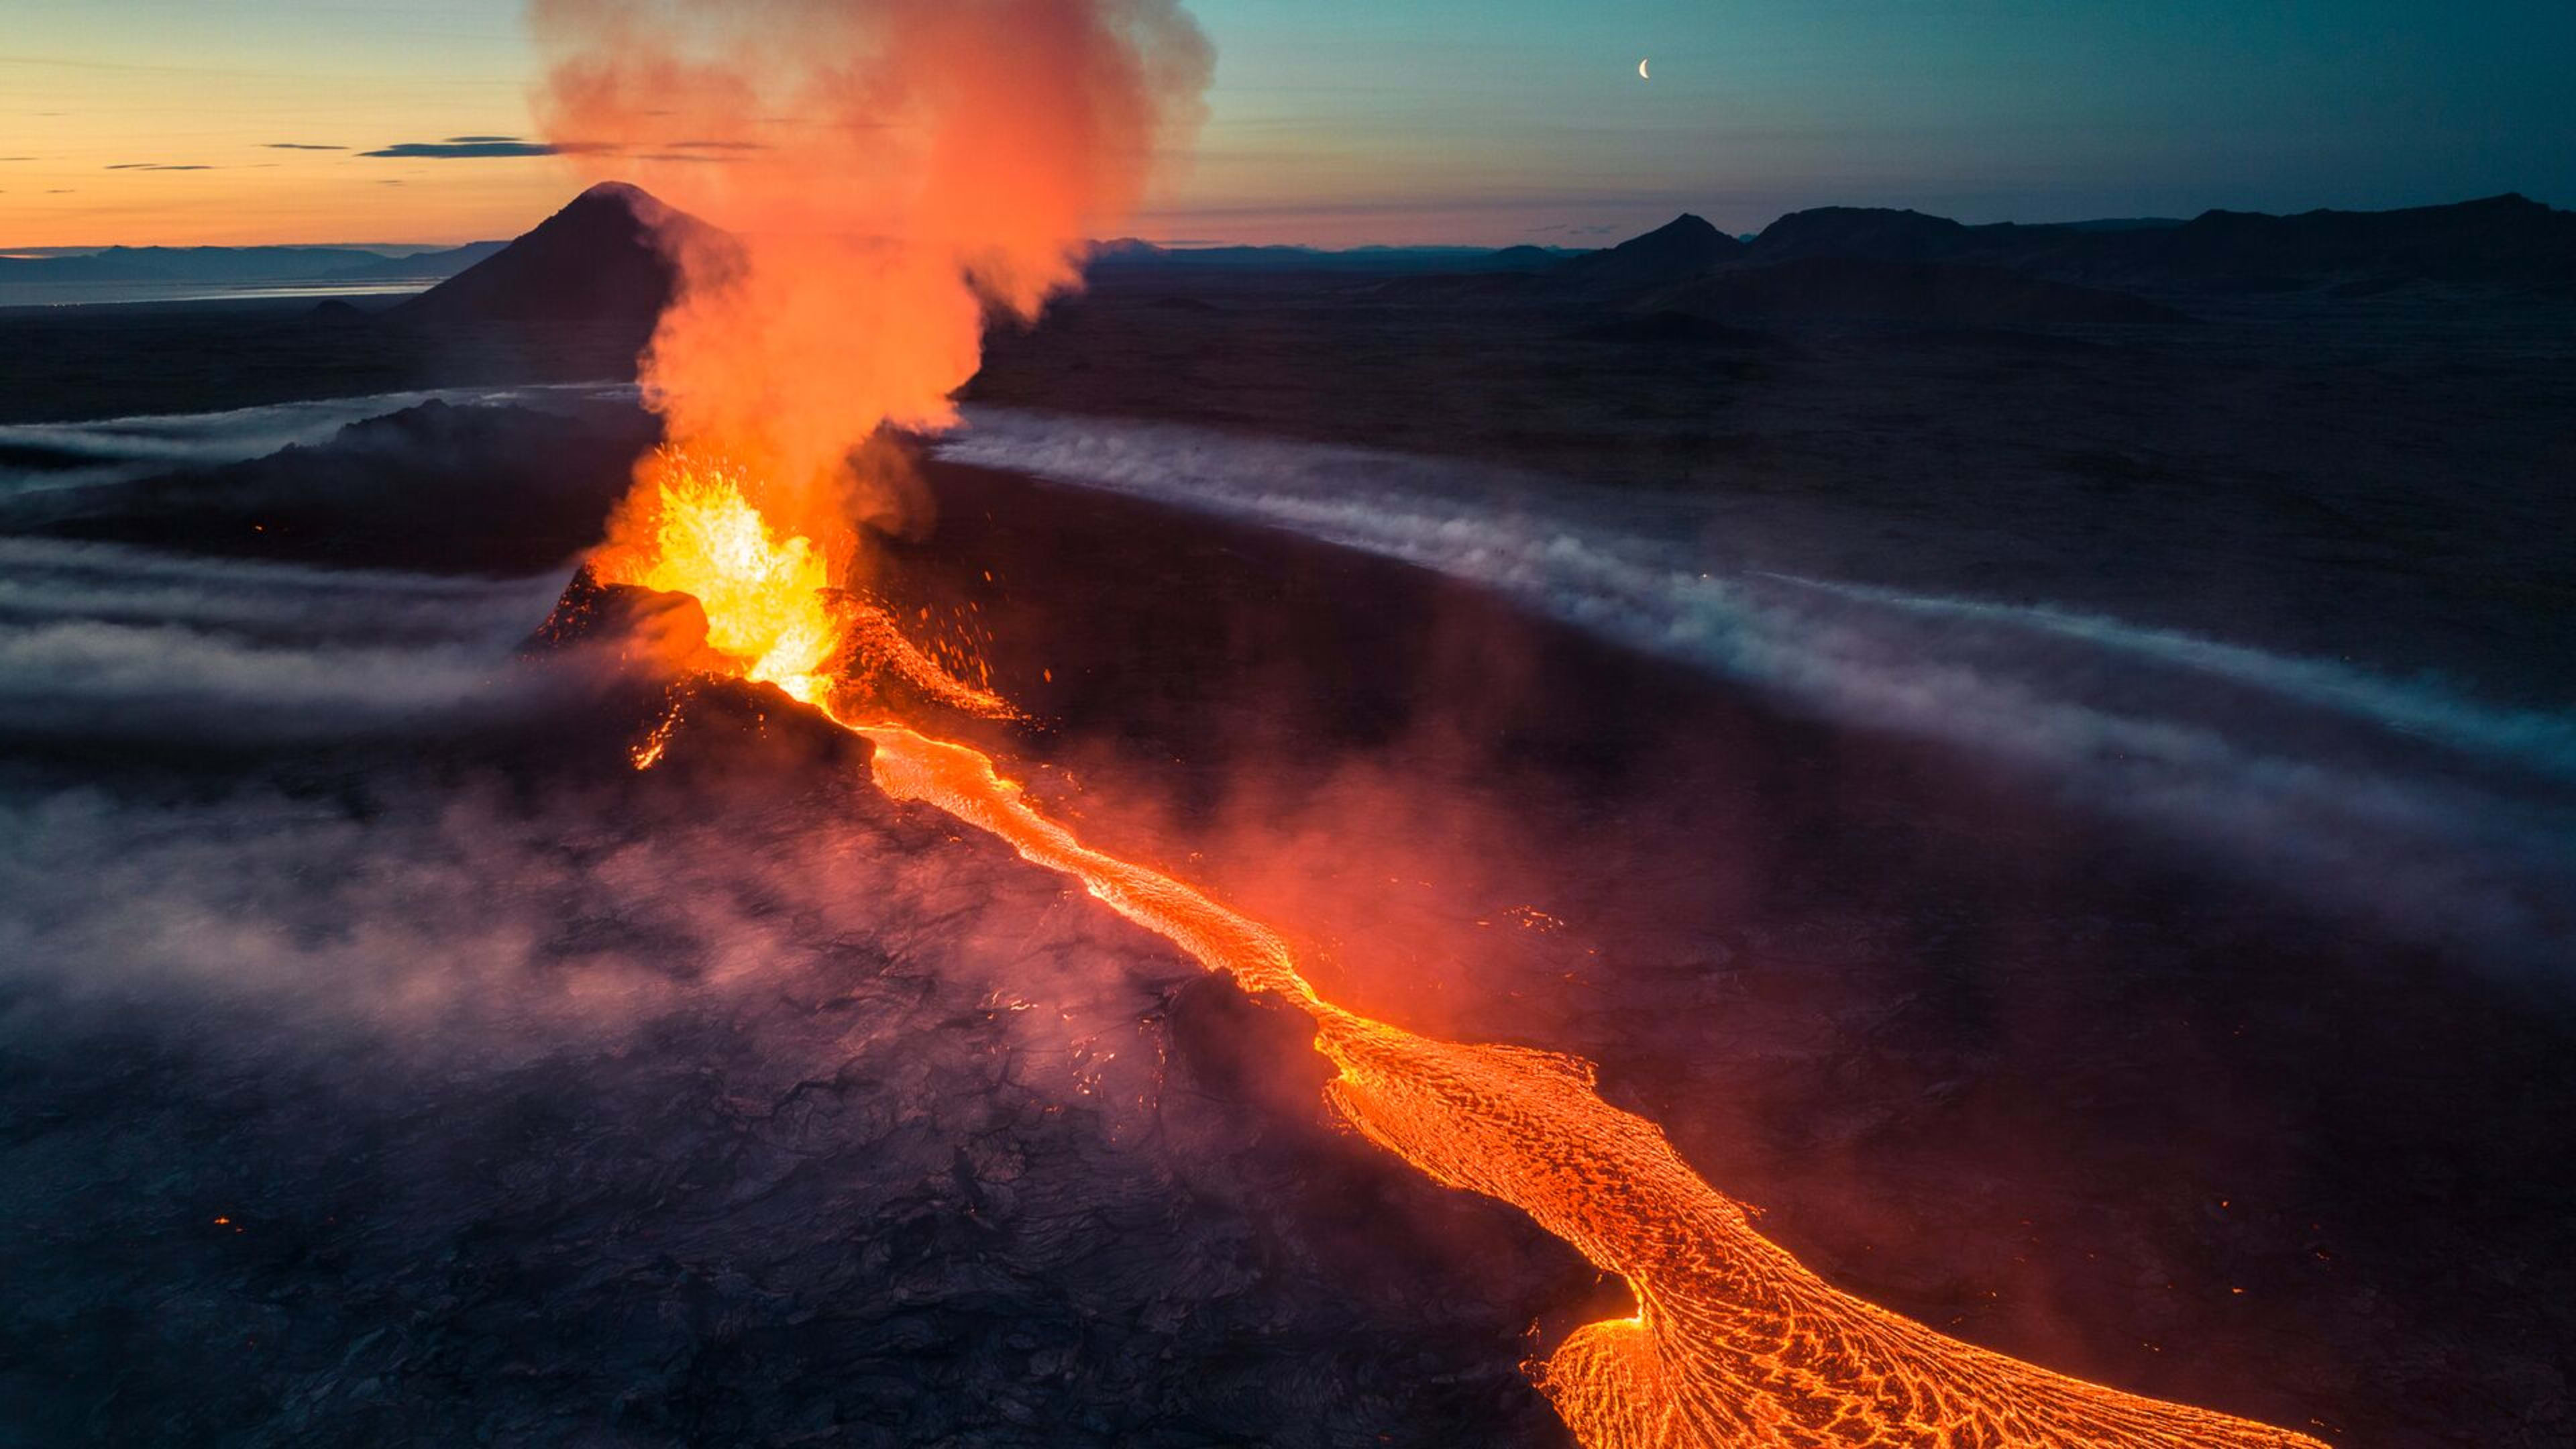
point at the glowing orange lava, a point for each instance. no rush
(1734, 1342)
(764, 595)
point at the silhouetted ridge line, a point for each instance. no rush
(1679, 249)
(2501, 241)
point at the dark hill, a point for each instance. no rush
(1876, 233)
(191, 264)
(1127, 254)
(445, 263)
(2073, 251)
(603, 259)
(2504, 241)
(1679, 249)
(2508, 239)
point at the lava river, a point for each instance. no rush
(1734, 1342)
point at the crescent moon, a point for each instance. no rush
(1641, 71)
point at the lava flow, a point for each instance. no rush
(1734, 1342)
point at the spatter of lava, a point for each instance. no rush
(1734, 1342)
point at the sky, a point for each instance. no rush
(1342, 122)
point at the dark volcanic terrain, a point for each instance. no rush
(2360, 455)
(383, 1060)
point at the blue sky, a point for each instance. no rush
(1340, 121)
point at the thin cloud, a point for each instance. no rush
(301, 146)
(156, 166)
(464, 150)
(470, 147)
(54, 62)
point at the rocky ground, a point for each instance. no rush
(490, 1092)
(540, 1100)
(1983, 1054)
(2372, 479)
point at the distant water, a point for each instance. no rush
(85, 294)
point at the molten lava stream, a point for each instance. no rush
(1734, 1341)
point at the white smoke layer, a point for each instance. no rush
(404, 1051)
(40, 456)
(458, 912)
(463, 919)
(2540, 741)
(2403, 802)
(98, 640)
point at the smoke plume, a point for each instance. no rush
(884, 176)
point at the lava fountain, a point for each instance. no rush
(882, 177)
(1734, 1342)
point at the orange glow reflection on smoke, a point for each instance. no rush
(879, 174)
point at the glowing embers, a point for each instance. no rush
(875, 650)
(648, 751)
(1735, 1343)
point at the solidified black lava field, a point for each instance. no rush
(384, 1060)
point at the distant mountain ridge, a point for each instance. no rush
(1888, 265)
(2501, 241)
(603, 258)
(1680, 248)
(1130, 252)
(439, 264)
(2508, 238)
(239, 265)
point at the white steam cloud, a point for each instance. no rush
(101, 641)
(331, 881)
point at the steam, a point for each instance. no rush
(884, 175)
(452, 904)
(424, 1015)
(99, 642)
(2402, 802)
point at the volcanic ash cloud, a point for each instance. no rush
(882, 176)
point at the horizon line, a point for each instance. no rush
(392, 249)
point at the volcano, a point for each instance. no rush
(604, 259)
